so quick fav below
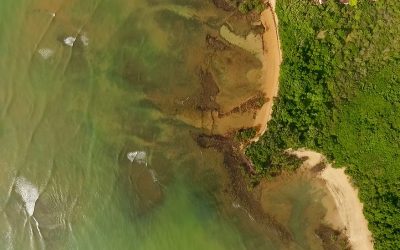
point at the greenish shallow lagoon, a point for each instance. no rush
(92, 154)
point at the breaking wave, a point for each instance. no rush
(28, 192)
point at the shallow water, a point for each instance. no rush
(84, 85)
(296, 202)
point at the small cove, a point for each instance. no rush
(131, 76)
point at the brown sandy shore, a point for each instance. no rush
(347, 213)
(272, 58)
(267, 49)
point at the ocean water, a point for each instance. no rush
(97, 148)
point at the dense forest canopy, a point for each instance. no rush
(340, 95)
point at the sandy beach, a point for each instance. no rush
(272, 58)
(347, 214)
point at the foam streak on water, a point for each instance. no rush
(41, 240)
(6, 236)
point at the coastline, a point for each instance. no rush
(272, 59)
(347, 213)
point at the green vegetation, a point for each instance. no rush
(247, 6)
(340, 95)
(245, 134)
(353, 2)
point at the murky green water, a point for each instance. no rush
(92, 155)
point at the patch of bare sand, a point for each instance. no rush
(347, 213)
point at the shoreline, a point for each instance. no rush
(347, 213)
(271, 59)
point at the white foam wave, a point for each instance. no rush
(236, 205)
(9, 240)
(85, 39)
(153, 175)
(46, 53)
(29, 193)
(138, 157)
(69, 41)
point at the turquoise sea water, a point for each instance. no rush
(92, 155)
